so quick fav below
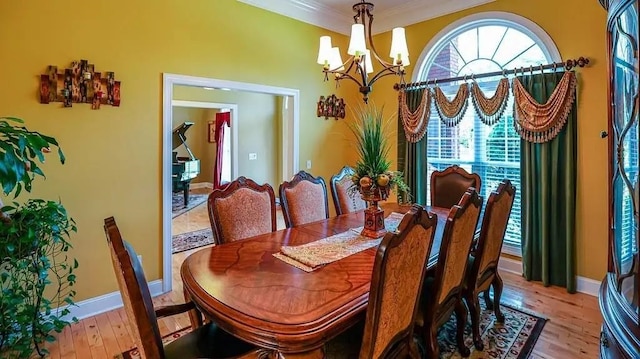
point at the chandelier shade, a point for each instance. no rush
(359, 66)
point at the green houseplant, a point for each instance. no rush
(373, 177)
(36, 273)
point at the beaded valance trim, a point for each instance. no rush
(415, 122)
(451, 112)
(490, 110)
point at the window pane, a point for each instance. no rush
(491, 151)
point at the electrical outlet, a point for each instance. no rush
(253, 156)
(308, 164)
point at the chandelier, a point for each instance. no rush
(359, 66)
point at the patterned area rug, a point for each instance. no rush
(185, 241)
(514, 339)
(177, 203)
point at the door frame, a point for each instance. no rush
(290, 145)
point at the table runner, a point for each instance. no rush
(314, 255)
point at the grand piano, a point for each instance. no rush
(184, 168)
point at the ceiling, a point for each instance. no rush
(337, 15)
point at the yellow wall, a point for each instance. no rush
(559, 19)
(114, 154)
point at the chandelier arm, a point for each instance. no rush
(385, 72)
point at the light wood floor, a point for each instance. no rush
(572, 331)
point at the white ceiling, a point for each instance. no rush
(337, 15)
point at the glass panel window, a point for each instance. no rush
(491, 151)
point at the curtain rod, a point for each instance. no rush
(567, 65)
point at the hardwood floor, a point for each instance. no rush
(572, 331)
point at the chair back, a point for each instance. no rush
(135, 293)
(448, 186)
(303, 199)
(241, 209)
(343, 200)
(494, 226)
(457, 238)
(396, 285)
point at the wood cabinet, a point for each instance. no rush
(620, 290)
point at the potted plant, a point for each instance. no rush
(373, 179)
(36, 273)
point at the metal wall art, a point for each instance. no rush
(79, 84)
(331, 106)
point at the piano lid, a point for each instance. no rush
(179, 137)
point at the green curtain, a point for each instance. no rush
(412, 157)
(548, 178)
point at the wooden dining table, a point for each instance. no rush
(290, 313)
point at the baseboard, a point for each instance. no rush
(199, 185)
(588, 286)
(104, 303)
(583, 285)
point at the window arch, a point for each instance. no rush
(481, 43)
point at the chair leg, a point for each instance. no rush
(474, 309)
(431, 342)
(497, 293)
(487, 299)
(461, 322)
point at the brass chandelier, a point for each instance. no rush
(359, 66)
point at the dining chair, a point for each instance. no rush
(483, 260)
(204, 341)
(398, 273)
(344, 200)
(241, 209)
(448, 186)
(303, 199)
(442, 291)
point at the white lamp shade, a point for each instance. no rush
(357, 44)
(335, 60)
(399, 46)
(324, 52)
(367, 61)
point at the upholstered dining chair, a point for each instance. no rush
(303, 199)
(241, 209)
(483, 260)
(344, 201)
(442, 292)
(448, 186)
(205, 341)
(398, 273)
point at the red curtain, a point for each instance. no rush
(222, 119)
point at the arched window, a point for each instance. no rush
(478, 44)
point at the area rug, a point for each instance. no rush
(190, 240)
(177, 203)
(514, 339)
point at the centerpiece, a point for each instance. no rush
(373, 179)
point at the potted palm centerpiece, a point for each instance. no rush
(372, 179)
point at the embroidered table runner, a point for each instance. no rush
(312, 256)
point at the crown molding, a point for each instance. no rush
(415, 11)
(310, 11)
(409, 12)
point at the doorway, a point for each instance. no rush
(288, 140)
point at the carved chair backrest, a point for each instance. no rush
(303, 199)
(135, 293)
(448, 186)
(494, 226)
(241, 209)
(396, 284)
(344, 200)
(457, 238)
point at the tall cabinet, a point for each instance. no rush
(620, 290)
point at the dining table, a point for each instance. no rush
(288, 312)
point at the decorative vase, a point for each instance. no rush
(374, 215)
